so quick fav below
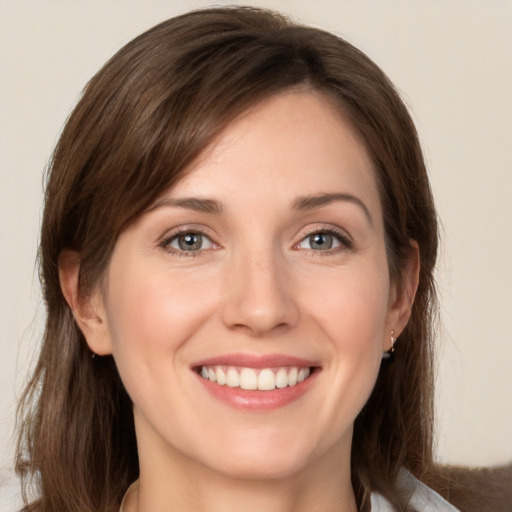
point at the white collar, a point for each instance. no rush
(421, 497)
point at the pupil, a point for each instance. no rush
(321, 241)
(190, 242)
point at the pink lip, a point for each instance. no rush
(255, 361)
(258, 401)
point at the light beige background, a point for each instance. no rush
(452, 62)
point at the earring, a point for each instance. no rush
(389, 355)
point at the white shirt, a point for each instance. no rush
(422, 497)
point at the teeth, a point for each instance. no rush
(248, 379)
(221, 376)
(292, 377)
(281, 378)
(265, 379)
(233, 378)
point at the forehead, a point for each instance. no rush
(291, 144)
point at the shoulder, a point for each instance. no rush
(474, 489)
(10, 492)
(421, 497)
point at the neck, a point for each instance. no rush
(249, 496)
(178, 483)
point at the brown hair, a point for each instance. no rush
(146, 115)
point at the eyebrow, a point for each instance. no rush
(303, 203)
(190, 203)
(310, 202)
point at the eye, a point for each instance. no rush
(324, 240)
(189, 241)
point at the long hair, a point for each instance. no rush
(142, 119)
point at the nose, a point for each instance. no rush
(259, 297)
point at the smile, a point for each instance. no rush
(257, 383)
(264, 379)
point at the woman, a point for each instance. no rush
(238, 227)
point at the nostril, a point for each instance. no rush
(260, 328)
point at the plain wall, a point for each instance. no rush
(452, 62)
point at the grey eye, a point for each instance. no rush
(321, 241)
(190, 242)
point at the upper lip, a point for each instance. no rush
(255, 361)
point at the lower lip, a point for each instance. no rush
(254, 400)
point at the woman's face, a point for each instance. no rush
(265, 264)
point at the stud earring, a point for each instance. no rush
(389, 355)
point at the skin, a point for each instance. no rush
(258, 287)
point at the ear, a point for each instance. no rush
(401, 298)
(89, 312)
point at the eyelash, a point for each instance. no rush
(345, 242)
(165, 243)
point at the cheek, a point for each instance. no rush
(352, 314)
(151, 314)
(151, 317)
(352, 307)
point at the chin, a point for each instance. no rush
(275, 467)
(263, 457)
